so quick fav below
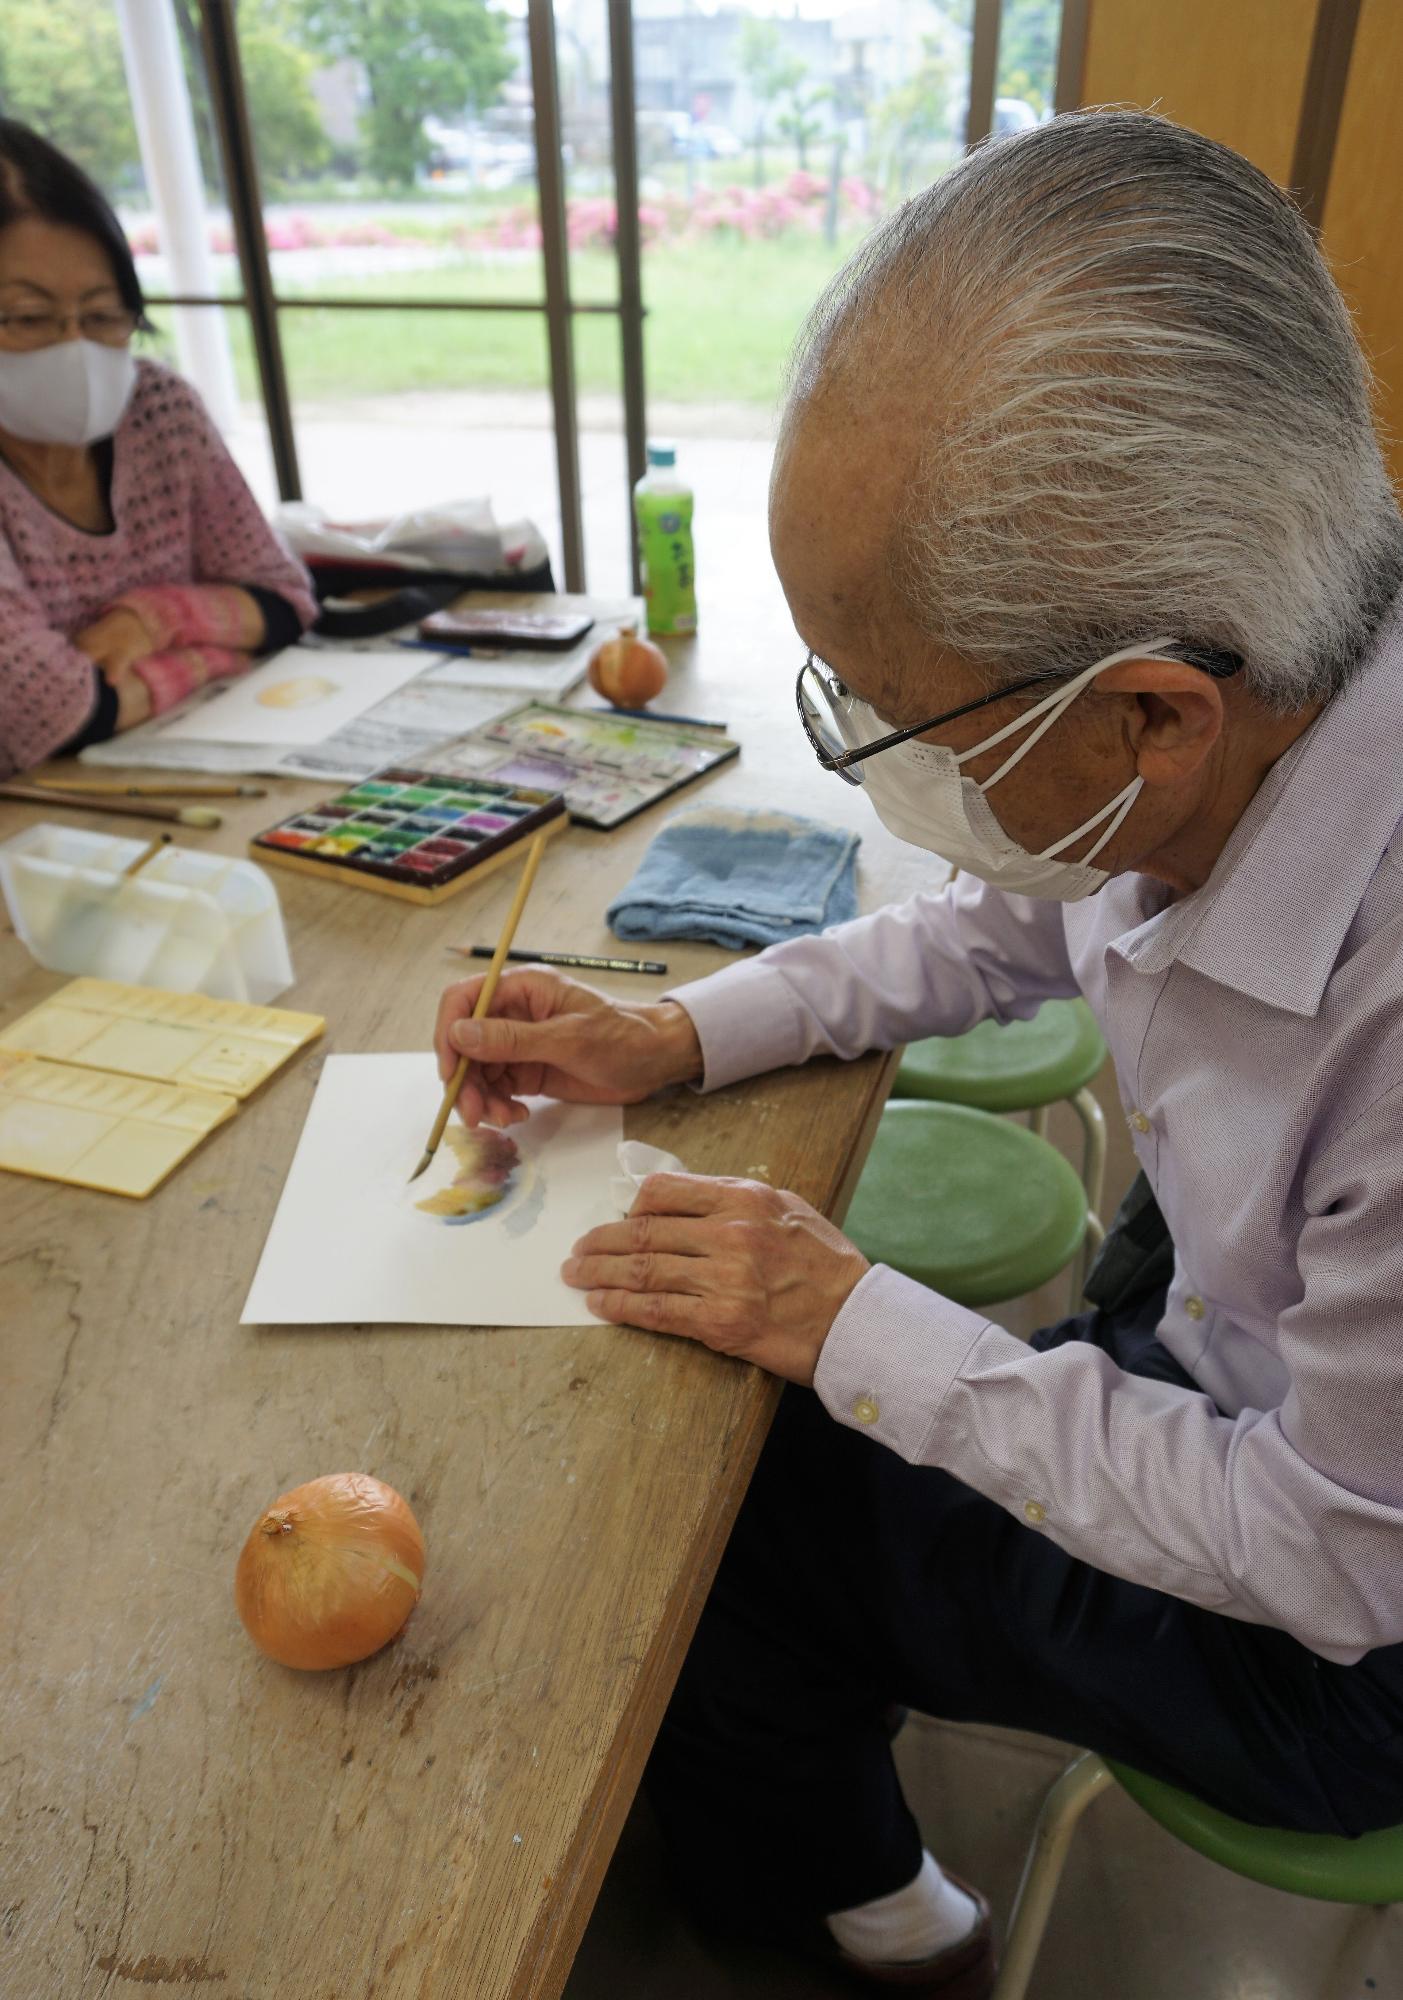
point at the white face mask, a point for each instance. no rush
(918, 791)
(71, 393)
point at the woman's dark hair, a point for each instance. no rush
(37, 179)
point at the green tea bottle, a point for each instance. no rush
(662, 506)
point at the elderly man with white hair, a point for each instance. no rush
(1080, 513)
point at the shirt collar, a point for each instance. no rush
(1273, 915)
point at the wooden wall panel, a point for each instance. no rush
(1233, 69)
(1362, 233)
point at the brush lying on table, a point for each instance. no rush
(37, 795)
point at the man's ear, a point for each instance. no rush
(1173, 717)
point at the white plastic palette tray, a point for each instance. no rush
(187, 922)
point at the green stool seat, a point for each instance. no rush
(1016, 1067)
(972, 1206)
(1326, 1865)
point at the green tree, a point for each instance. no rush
(1028, 34)
(770, 73)
(288, 135)
(61, 72)
(287, 125)
(420, 58)
(799, 121)
(916, 115)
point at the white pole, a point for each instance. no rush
(170, 158)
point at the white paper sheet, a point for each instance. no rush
(406, 728)
(298, 696)
(350, 1244)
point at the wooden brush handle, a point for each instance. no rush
(33, 795)
(489, 985)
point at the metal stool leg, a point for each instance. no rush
(1093, 1165)
(1093, 1176)
(1063, 1807)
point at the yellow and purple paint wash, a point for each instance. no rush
(487, 1160)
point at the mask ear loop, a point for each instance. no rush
(1124, 800)
(1052, 708)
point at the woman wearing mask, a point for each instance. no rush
(134, 562)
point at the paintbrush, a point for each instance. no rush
(152, 848)
(164, 788)
(485, 996)
(34, 795)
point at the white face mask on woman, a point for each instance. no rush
(71, 393)
(919, 792)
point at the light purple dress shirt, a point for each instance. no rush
(1256, 1028)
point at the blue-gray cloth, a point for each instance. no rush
(739, 878)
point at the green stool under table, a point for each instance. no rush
(1020, 1066)
(969, 1204)
(1324, 1865)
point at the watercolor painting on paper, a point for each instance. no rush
(477, 1240)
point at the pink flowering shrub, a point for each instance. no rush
(795, 207)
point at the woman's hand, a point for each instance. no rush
(115, 641)
(746, 1269)
(553, 1037)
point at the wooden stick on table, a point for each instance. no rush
(35, 795)
(154, 788)
(485, 997)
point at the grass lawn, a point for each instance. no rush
(721, 317)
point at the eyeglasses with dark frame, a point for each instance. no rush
(1219, 665)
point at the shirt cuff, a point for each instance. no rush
(747, 1021)
(891, 1358)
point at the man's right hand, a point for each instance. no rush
(552, 1037)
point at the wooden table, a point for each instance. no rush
(176, 1812)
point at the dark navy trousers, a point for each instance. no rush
(853, 1581)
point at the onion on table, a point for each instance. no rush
(628, 670)
(331, 1571)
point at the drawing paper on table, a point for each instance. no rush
(299, 696)
(477, 1240)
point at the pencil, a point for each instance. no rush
(485, 997)
(582, 960)
(655, 715)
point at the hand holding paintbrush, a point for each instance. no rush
(485, 997)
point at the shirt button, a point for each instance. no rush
(865, 1410)
(1035, 1510)
(1139, 1122)
(1194, 1307)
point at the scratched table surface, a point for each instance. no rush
(177, 1812)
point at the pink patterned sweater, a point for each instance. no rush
(182, 514)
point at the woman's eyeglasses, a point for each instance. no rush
(24, 331)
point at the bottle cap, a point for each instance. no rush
(662, 454)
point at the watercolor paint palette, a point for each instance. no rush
(609, 766)
(418, 834)
(110, 1086)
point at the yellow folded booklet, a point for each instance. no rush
(110, 1086)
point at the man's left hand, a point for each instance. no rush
(747, 1269)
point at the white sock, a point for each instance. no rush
(927, 1916)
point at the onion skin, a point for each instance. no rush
(330, 1572)
(628, 670)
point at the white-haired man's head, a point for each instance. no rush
(1094, 385)
(1135, 403)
